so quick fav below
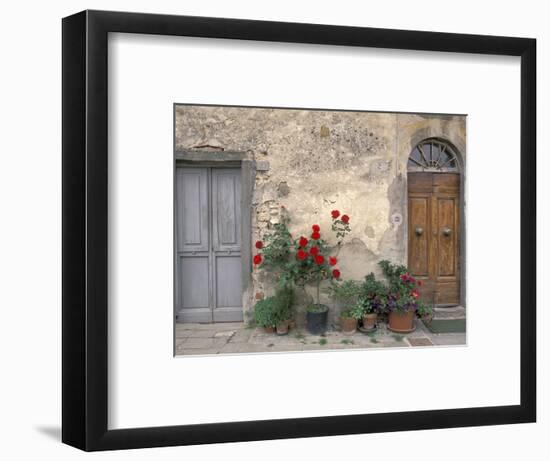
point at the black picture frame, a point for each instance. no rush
(85, 220)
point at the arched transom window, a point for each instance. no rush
(433, 156)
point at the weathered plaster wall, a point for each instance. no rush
(318, 161)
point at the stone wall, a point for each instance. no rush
(311, 162)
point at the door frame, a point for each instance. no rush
(218, 159)
(461, 203)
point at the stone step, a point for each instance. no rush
(449, 313)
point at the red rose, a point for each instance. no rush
(259, 245)
(319, 259)
(314, 251)
(345, 218)
(316, 236)
(301, 255)
(303, 242)
(257, 259)
(332, 260)
(415, 294)
(316, 228)
(335, 214)
(336, 273)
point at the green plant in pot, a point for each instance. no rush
(374, 298)
(403, 300)
(346, 293)
(275, 312)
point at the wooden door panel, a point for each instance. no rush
(418, 235)
(193, 295)
(226, 249)
(446, 233)
(434, 256)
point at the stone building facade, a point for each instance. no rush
(311, 162)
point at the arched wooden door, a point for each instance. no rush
(434, 221)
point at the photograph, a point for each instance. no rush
(317, 230)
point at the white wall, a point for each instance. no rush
(30, 243)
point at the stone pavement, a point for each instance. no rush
(237, 338)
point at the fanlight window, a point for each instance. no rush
(432, 155)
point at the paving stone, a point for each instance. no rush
(224, 334)
(241, 336)
(202, 334)
(203, 343)
(419, 342)
(449, 339)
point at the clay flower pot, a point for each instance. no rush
(369, 321)
(348, 325)
(269, 329)
(401, 322)
(282, 327)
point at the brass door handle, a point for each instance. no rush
(447, 231)
(418, 231)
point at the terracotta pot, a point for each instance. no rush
(269, 329)
(401, 322)
(348, 325)
(282, 327)
(369, 321)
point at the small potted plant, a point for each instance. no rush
(265, 314)
(348, 322)
(402, 302)
(374, 299)
(283, 309)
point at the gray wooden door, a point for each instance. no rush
(208, 245)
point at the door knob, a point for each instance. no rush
(418, 231)
(447, 231)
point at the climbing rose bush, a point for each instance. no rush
(301, 261)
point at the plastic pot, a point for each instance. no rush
(316, 321)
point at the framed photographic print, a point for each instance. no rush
(278, 230)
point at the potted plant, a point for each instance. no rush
(374, 299)
(402, 301)
(303, 261)
(348, 322)
(264, 314)
(283, 309)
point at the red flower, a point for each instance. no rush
(259, 245)
(257, 259)
(319, 259)
(345, 218)
(419, 282)
(303, 242)
(332, 260)
(335, 214)
(301, 255)
(415, 294)
(316, 235)
(314, 251)
(316, 228)
(336, 273)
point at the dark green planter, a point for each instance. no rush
(316, 322)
